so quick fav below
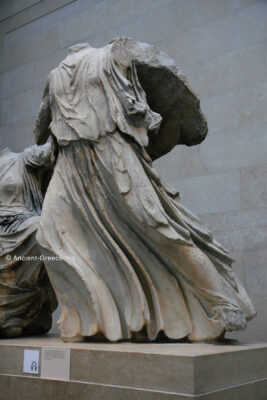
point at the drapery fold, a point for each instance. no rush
(131, 258)
(120, 245)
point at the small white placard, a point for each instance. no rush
(31, 361)
(55, 363)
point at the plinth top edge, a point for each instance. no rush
(175, 349)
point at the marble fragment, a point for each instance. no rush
(27, 299)
(132, 261)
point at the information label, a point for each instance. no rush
(55, 363)
(31, 361)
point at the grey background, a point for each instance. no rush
(221, 47)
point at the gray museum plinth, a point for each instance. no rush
(138, 371)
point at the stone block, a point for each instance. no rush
(252, 103)
(17, 80)
(6, 9)
(214, 32)
(213, 369)
(19, 33)
(232, 109)
(31, 48)
(245, 392)
(123, 369)
(209, 10)
(231, 71)
(236, 148)
(85, 4)
(33, 13)
(212, 193)
(171, 18)
(5, 111)
(251, 65)
(254, 186)
(18, 136)
(139, 371)
(201, 43)
(250, 24)
(168, 21)
(61, 14)
(95, 20)
(10, 7)
(74, 390)
(256, 271)
(244, 3)
(44, 22)
(216, 76)
(20, 107)
(22, 4)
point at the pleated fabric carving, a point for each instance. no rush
(130, 257)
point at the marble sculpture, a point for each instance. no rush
(27, 299)
(132, 258)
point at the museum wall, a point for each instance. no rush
(221, 46)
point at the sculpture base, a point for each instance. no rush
(135, 371)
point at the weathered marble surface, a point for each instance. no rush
(167, 93)
(132, 260)
(27, 299)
